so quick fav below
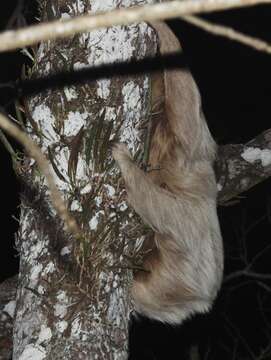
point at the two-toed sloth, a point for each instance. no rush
(177, 200)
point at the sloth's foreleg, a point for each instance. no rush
(159, 208)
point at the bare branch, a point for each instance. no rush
(11, 40)
(240, 167)
(229, 33)
(34, 151)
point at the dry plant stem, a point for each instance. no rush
(229, 33)
(44, 167)
(11, 40)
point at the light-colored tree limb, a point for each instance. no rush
(35, 152)
(229, 33)
(11, 40)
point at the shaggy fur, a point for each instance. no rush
(185, 258)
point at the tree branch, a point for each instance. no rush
(240, 167)
(11, 40)
(228, 33)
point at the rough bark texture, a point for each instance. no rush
(73, 297)
(7, 307)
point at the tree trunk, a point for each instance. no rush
(73, 295)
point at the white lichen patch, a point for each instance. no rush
(116, 307)
(99, 6)
(252, 154)
(76, 206)
(107, 288)
(110, 190)
(116, 43)
(86, 189)
(93, 223)
(82, 172)
(62, 296)
(38, 249)
(132, 105)
(219, 187)
(103, 88)
(41, 290)
(132, 97)
(9, 308)
(61, 326)
(79, 65)
(103, 276)
(47, 68)
(110, 114)
(44, 335)
(45, 120)
(70, 93)
(33, 352)
(25, 221)
(98, 200)
(60, 310)
(49, 268)
(107, 5)
(35, 274)
(76, 328)
(74, 122)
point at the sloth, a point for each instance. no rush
(184, 258)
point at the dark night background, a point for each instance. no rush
(235, 85)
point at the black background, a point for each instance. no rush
(235, 85)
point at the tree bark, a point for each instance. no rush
(7, 308)
(73, 296)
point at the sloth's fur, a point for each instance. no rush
(178, 200)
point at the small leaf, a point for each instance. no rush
(89, 143)
(105, 145)
(75, 149)
(54, 166)
(100, 125)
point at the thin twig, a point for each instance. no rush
(229, 33)
(11, 40)
(7, 145)
(248, 273)
(34, 151)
